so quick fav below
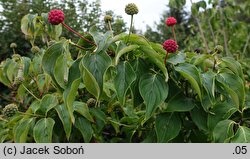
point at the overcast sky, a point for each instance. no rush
(149, 10)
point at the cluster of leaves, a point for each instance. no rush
(121, 91)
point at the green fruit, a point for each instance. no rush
(91, 102)
(35, 49)
(218, 49)
(107, 18)
(13, 45)
(131, 9)
(10, 110)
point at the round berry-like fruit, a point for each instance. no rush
(170, 46)
(171, 21)
(56, 17)
(108, 18)
(219, 49)
(35, 49)
(131, 9)
(13, 45)
(10, 110)
(91, 102)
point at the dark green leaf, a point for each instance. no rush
(180, 103)
(43, 130)
(167, 126)
(154, 91)
(83, 109)
(223, 131)
(84, 126)
(65, 118)
(221, 111)
(48, 102)
(123, 80)
(95, 65)
(191, 73)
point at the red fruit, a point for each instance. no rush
(170, 46)
(171, 21)
(56, 17)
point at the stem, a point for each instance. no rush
(224, 32)
(174, 34)
(35, 115)
(110, 27)
(73, 31)
(202, 34)
(130, 28)
(80, 47)
(212, 32)
(246, 45)
(30, 92)
(165, 59)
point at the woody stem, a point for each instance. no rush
(165, 59)
(73, 31)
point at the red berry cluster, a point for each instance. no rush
(170, 46)
(171, 21)
(56, 17)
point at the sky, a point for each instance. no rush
(149, 10)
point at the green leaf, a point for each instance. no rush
(74, 72)
(223, 131)
(208, 82)
(176, 58)
(95, 65)
(154, 91)
(50, 57)
(140, 67)
(43, 130)
(61, 70)
(4, 79)
(35, 105)
(69, 96)
(26, 69)
(84, 126)
(123, 80)
(154, 57)
(123, 51)
(180, 103)
(102, 41)
(200, 59)
(47, 103)
(242, 135)
(167, 127)
(233, 65)
(191, 73)
(21, 130)
(90, 83)
(234, 86)
(27, 26)
(83, 109)
(65, 118)
(220, 111)
(12, 70)
(199, 117)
